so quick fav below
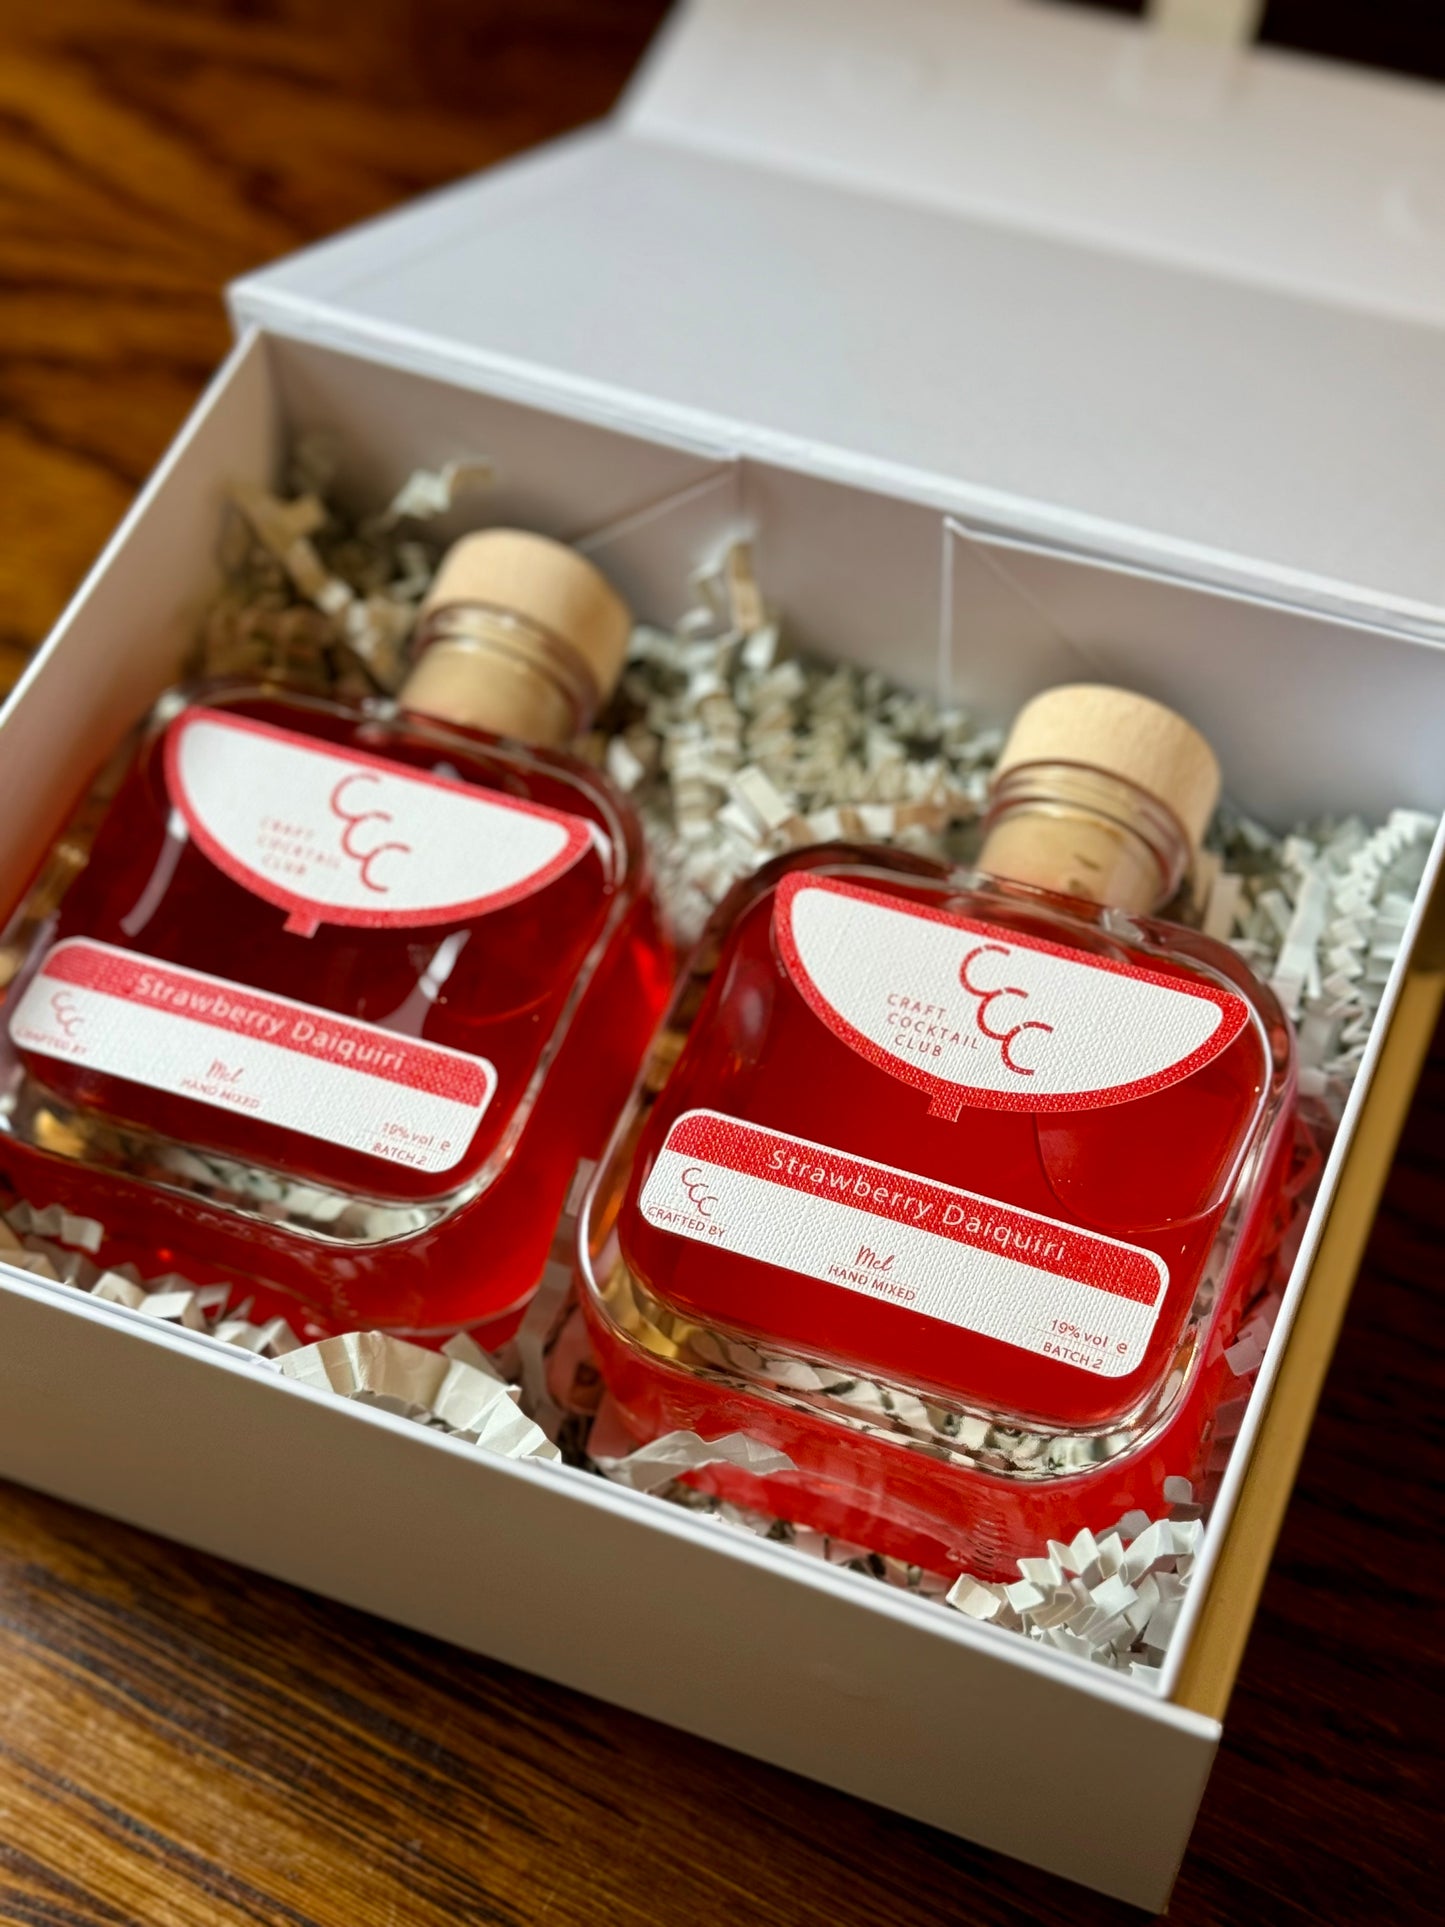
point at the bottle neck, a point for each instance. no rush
(492, 669)
(1083, 833)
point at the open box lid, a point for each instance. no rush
(1127, 289)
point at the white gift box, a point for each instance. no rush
(1034, 346)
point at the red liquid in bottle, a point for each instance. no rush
(1151, 1172)
(342, 994)
(851, 1179)
(346, 1035)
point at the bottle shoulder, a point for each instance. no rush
(378, 728)
(985, 906)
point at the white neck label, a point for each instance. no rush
(979, 1015)
(333, 835)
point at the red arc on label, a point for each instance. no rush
(1030, 1031)
(403, 844)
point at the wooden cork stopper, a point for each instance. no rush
(546, 583)
(1125, 735)
(518, 635)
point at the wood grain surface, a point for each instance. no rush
(185, 1745)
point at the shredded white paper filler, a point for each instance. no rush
(1113, 1599)
(457, 1388)
(662, 1460)
(734, 749)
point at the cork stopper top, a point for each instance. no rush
(546, 583)
(1127, 736)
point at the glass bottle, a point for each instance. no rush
(951, 1185)
(341, 993)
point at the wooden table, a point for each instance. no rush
(183, 1743)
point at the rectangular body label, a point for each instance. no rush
(283, 1063)
(987, 1267)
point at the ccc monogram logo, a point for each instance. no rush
(354, 819)
(987, 997)
(694, 1182)
(66, 1014)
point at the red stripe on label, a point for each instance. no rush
(960, 1216)
(302, 1028)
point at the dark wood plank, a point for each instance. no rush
(185, 1745)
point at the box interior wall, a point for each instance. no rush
(1308, 713)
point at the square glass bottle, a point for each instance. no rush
(952, 1185)
(331, 998)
